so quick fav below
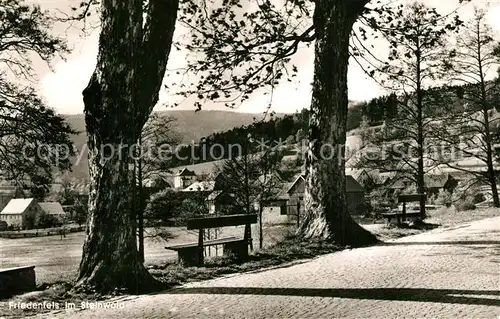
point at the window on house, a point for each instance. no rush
(283, 210)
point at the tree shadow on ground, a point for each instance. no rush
(452, 296)
(451, 242)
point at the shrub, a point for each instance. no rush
(80, 212)
(13, 227)
(163, 205)
(47, 221)
(465, 205)
(479, 198)
(443, 198)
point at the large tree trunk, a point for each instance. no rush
(327, 216)
(118, 100)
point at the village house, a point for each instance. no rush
(366, 178)
(201, 186)
(21, 212)
(54, 209)
(292, 197)
(184, 178)
(435, 183)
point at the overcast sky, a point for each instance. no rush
(61, 87)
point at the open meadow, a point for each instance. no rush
(58, 259)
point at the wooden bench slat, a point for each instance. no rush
(213, 242)
(221, 221)
(401, 214)
(411, 198)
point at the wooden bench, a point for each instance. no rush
(17, 280)
(401, 216)
(192, 254)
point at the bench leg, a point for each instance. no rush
(189, 257)
(239, 250)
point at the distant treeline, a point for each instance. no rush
(292, 128)
(276, 129)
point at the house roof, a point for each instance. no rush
(430, 181)
(200, 186)
(283, 193)
(384, 177)
(213, 195)
(17, 206)
(356, 173)
(198, 169)
(297, 179)
(52, 208)
(270, 178)
(186, 172)
(352, 186)
(436, 181)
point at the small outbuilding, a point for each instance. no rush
(54, 209)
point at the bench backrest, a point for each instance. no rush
(411, 198)
(221, 221)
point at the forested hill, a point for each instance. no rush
(190, 125)
(293, 127)
(228, 128)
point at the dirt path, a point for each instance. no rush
(452, 273)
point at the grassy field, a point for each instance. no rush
(58, 259)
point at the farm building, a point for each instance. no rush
(53, 208)
(433, 183)
(293, 196)
(22, 212)
(220, 202)
(366, 178)
(184, 178)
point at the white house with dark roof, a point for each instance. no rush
(203, 186)
(22, 212)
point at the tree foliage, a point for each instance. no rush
(470, 63)
(417, 40)
(34, 141)
(249, 179)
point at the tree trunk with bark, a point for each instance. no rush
(118, 100)
(326, 215)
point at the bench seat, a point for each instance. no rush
(193, 254)
(232, 246)
(207, 243)
(398, 215)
